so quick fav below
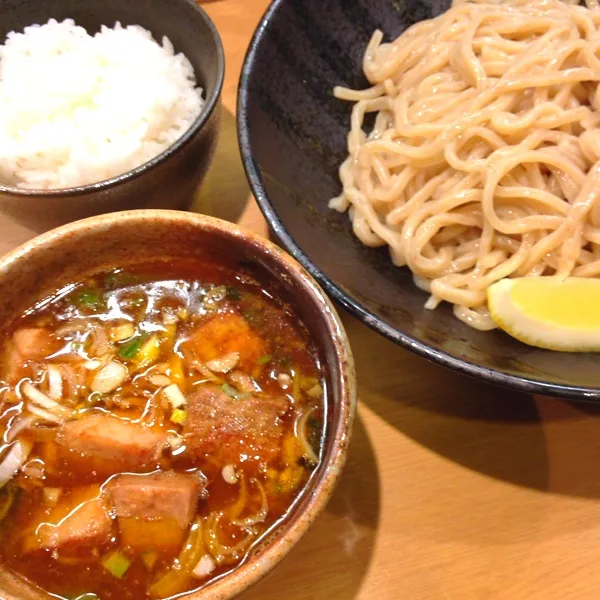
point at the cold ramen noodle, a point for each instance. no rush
(156, 422)
(482, 160)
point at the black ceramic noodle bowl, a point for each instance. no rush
(293, 138)
(170, 179)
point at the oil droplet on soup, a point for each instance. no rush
(156, 422)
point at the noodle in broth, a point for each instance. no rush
(484, 158)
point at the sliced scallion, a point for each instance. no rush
(149, 559)
(116, 564)
(88, 297)
(179, 416)
(148, 353)
(131, 348)
(231, 391)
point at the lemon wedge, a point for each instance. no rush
(548, 312)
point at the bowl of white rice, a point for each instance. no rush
(104, 106)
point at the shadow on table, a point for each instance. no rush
(224, 192)
(332, 559)
(541, 443)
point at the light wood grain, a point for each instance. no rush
(453, 490)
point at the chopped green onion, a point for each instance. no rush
(216, 292)
(308, 382)
(233, 293)
(132, 347)
(263, 360)
(88, 297)
(149, 559)
(116, 564)
(120, 279)
(296, 385)
(149, 352)
(231, 391)
(77, 347)
(179, 416)
(316, 391)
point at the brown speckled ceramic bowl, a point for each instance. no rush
(168, 180)
(69, 253)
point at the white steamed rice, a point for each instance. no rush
(77, 109)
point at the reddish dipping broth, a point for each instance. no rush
(156, 423)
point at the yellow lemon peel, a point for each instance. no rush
(548, 312)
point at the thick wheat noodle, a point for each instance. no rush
(484, 158)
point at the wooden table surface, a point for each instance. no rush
(453, 489)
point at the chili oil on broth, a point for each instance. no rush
(183, 399)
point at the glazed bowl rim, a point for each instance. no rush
(205, 112)
(318, 490)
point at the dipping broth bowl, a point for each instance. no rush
(74, 251)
